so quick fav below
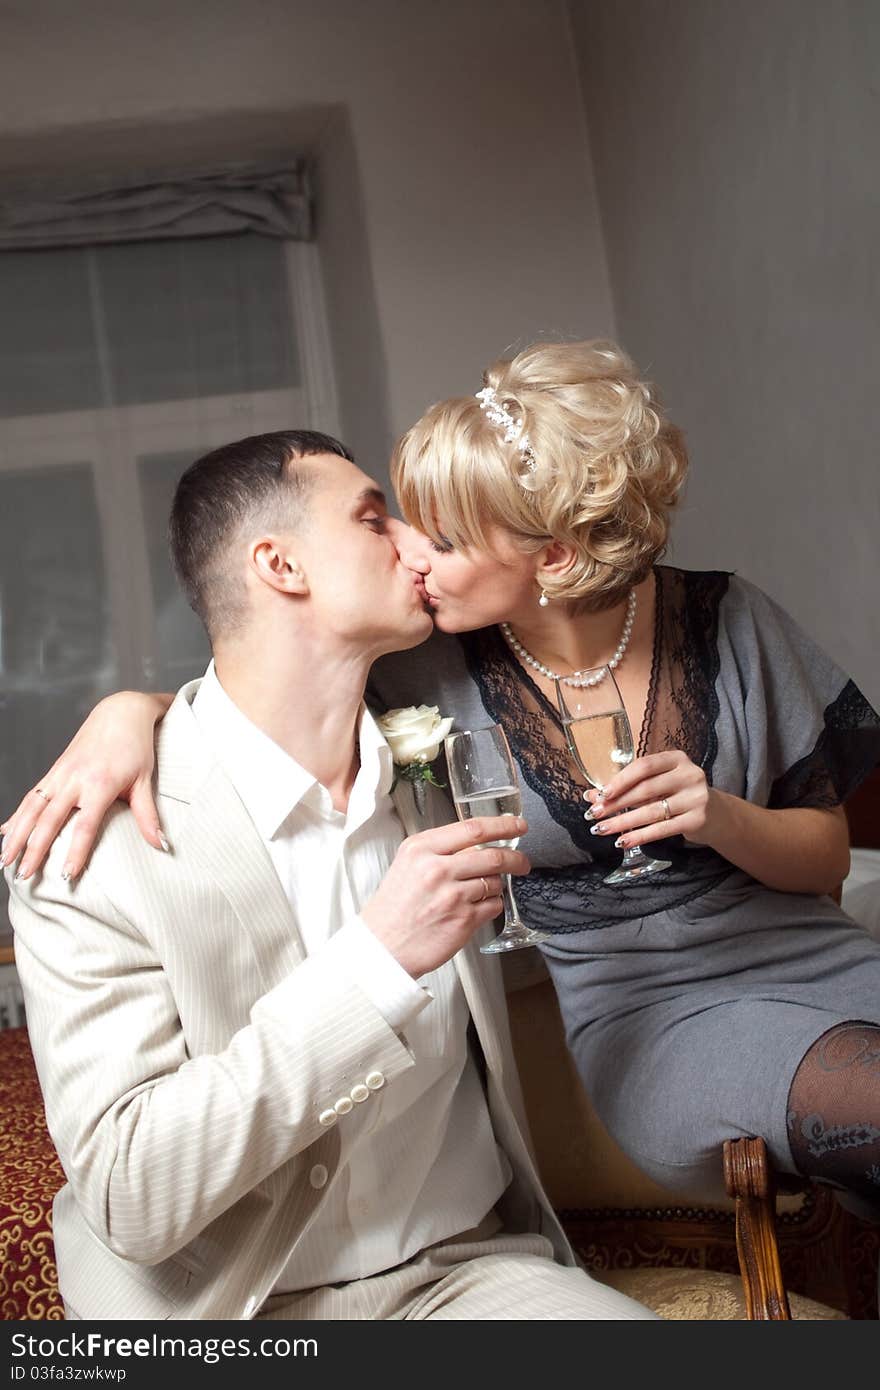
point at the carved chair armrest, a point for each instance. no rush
(749, 1180)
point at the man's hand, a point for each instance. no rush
(442, 887)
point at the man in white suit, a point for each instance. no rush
(275, 1067)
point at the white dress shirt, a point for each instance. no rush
(418, 1162)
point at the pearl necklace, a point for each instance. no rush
(577, 678)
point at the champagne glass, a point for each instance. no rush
(599, 738)
(483, 779)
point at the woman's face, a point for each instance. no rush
(470, 589)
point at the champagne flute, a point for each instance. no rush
(483, 779)
(599, 738)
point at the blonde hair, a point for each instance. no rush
(608, 467)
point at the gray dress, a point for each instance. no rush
(688, 999)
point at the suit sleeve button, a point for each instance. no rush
(318, 1176)
(359, 1093)
(375, 1080)
(343, 1105)
(327, 1118)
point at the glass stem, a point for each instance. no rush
(511, 911)
(631, 856)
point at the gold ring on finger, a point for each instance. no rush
(45, 795)
(485, 890)
(667, 814)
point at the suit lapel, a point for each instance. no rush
(225, 842)
(481, 981)
(223, 837)
(480, 976)
(405, 806)
(438, 808)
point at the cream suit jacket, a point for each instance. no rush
(186, 1047)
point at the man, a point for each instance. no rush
(275, 1068)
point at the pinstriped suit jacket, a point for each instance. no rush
(186, 1047)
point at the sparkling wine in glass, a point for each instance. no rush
(483, 780)
(599, 738)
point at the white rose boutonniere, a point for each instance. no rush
(414, 736)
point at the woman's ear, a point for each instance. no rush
(554, 561)
(274, 564)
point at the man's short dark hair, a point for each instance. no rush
(238, 489)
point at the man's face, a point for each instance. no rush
(359, 588)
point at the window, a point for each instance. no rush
(119, 365)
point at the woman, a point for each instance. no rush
(728, 995)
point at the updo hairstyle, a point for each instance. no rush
(603, 470)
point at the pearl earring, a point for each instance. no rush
(543, 600)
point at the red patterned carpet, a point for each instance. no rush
(30, 1175)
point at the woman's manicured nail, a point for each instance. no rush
(164, 843)
(68, 873)
(620, 842)
(597, 829)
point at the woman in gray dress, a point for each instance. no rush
(728, 995)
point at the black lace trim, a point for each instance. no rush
(564, 901)
(546, 766)
(653, 683)
(846, 751)
(681, 710)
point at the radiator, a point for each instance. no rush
(11, 1001)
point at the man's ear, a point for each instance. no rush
(554, 561)
(274, 563)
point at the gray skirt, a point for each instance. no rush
(688, 1026)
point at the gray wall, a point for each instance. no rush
(732, 144)
(459, 213)
(735, 147)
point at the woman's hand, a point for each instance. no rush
(663, 794)
(796, 849)
(110, 757)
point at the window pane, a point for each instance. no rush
(48, 353)
(56, 654)
(163, 320)
(205, 317)
(182, 643)
(53, 600)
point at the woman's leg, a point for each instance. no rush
(834, 1110)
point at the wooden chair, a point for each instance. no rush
(774, 1250)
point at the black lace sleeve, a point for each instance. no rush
(846, 751)
(810, 734)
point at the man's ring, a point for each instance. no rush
(45, 795)
(485, 890)
(667, 814)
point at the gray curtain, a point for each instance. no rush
(273, 201)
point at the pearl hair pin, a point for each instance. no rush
(577, 678)
(514, 432)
